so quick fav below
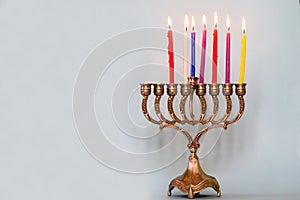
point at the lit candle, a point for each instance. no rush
(243, 53)
(203, 51)
(170, 51)
(227, 73)
(185, 51)
(215, 51)
(193, 47)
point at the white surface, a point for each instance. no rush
(42, 44)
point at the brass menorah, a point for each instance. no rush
(194, 179)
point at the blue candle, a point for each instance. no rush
(193, 47)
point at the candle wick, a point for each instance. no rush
(169, 26)
(244, 31)
(204, 25)
(216, 25)
(228, 29)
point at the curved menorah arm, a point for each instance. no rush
(183, 112)
(215, 110)
(158, 112)
(239, 114)
(188, 136)
(171, 110)
(227, 92)
(146, 91)
(172, 91)
(200, 92)
(227, 112)
(185, 92)
(240, 90)
(182, 108)
(204, 130)
(146, 113)
(203, 108)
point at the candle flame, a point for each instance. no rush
(228, 23)
(193, 23)
(169, 22)
(204, 21)
(244, 25)
(186, 23)
(216, 20)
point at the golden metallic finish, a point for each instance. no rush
(240, 89)
(145, 89)
(194, 179)
(227, 89)
(158, 89)
(201, 89)
(172, 89)
(193, 81)
(214, 89)
(185, 89)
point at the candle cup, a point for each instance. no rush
(172, 89)
(214, 89)
(193, 81)
(227, 89)
(158, 89)
(185, 89)
(240, 89)
(146, 89)
(201, 89)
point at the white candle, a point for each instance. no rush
(185, 50)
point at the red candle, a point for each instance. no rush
(203, 52)
(170, 51)
(227, 73)
(215, 51)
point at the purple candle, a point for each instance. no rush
(203, 51)
(193, 47)
(227, 75)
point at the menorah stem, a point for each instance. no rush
(191, 105)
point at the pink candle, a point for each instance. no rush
(203, 51)
(227, 73)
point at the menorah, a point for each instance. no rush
(194, 179)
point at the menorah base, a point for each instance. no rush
(194, 180)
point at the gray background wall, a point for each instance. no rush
(42, 46)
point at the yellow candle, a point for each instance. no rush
(243, 54)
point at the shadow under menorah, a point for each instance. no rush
(194, 179)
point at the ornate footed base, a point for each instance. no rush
(194, 180)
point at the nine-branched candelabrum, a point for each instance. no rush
(194, 179)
